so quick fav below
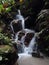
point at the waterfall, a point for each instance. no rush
(20, 43)
(26, 49)
(30, 49)
(31, 45)
(20, 17)
(11, 27)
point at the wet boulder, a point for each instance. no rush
(21, 34)
(19, 41)
(28, 38)
(16, 25)
(8, 55)
(8, 52)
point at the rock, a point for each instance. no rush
(43, 23)
(20, 35)
(28, 38)
(17, 26)
(37, 55)
(42, 20)
(8, 54)
(31, 9)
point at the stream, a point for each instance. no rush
(24, 38)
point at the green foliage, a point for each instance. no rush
(1, 7)
(5, 5)
(4, 50)
(5, 39)
(7, 1)
(8, 9)
(46, 37)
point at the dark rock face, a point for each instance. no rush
(46, 4)
(42, 23)
(42, 20)
(44, 41)
(31, 9)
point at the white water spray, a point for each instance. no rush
(20, 17)
(31, 46)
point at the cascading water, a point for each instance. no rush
(20, 17)
(23, 48)
(30, 48)
(20, 43)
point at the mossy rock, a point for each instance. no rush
(8, 55)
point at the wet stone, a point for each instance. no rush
(28, 38)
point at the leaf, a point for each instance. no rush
(1, 8)
(8, 9)
(0, 58)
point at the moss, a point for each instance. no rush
(5, 49)
(46, 37)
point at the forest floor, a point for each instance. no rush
(25, 59)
